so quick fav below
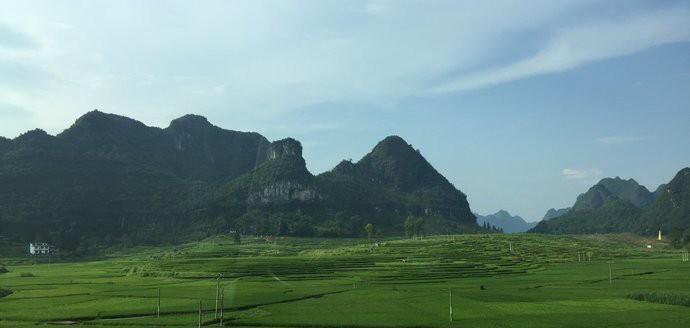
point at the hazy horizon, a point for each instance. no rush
(522, 106)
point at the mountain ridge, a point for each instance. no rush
(109, 179)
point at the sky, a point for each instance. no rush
(522, 105)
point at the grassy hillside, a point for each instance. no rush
(350, 282)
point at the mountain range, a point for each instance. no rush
(618, 205)
(504, 220)
(109, 179)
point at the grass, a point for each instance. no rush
(292, 282)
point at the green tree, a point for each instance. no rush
(418, 226)
(370, 230)
(409, 226)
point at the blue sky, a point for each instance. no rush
(521, 104)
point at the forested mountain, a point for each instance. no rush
(660, 189)
(617, 205)
(395, 178)
(504, 220)
(554, 213)
(110, 179)
(609, 189)
(387, 185)
(671, 210)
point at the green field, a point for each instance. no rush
(292, 282)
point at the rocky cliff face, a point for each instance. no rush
(204, 151)
(283, 191)
(284, 148)
(284, 177)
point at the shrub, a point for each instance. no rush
(3, 269)
(661, 298)
(4, 292)
(26, 275)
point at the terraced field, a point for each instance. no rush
(493, 281)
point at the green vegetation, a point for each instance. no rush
(414, 226)
(295, 282)
(4, 292)
(662, 298)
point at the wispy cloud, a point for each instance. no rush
(581, 44)
(616, 140)
(11, 38)
(581, 174)
(249, 62)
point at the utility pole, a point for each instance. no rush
(217, 287)
(511, 246)
(222, 304)
(450, 306)
(158, 306)
(610, 275)
(218, 278)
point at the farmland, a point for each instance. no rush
(492, 280)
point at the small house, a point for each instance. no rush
(40, 248)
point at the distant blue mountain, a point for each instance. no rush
(504, 220)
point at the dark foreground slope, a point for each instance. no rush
(109, 180)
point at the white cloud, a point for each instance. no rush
(581, 174)
(270, 57)
(581, 44)
(616, 140)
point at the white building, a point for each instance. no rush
(40, 248)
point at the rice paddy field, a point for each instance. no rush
(518, 280)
